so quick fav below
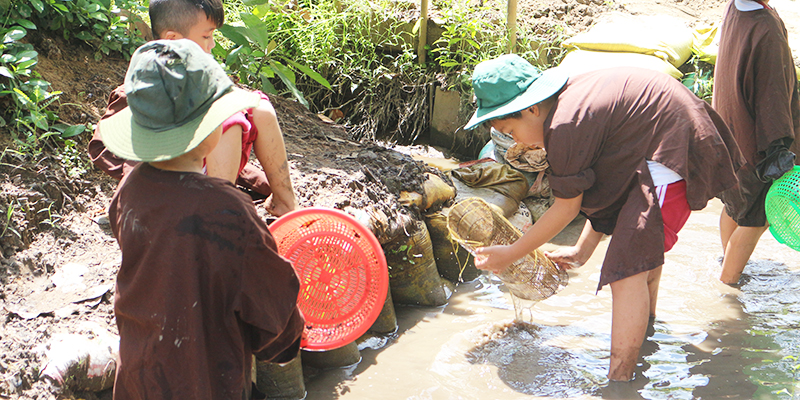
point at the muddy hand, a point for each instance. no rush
(566, 257)
(493, 258)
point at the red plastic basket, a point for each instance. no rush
(342, 271)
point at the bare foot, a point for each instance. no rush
(278, 207)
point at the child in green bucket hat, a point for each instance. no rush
(631, 149)
(201, 288)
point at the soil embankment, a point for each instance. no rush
(58, 226)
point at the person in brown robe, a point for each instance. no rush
(201, 288)
(604, 133)
(756, 93)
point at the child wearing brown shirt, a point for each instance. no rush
(756, 94)
(201, 288)
(633, 150)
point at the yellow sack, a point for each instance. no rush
(665, 37)
(706, 43)
(580, 61)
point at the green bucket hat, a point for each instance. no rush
(508, 84)
(177, 95)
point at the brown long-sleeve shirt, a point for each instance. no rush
(600, 133)
(200, 290)
(756, 93)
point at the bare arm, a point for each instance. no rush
(575, 256)
(555, 219)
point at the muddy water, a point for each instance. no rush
(709, 340)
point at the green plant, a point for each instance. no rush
(466, 41)
(259, 54)
(23, 86)
(99, 23)
(8, 227)
(73, 158)
(26, 95)
(700, 79)
(51, 218)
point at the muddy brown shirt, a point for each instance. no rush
(756, 93)
(200, 290)
(250, 176)
(600, 133)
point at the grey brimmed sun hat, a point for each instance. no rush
(508, 84)
(177, 95)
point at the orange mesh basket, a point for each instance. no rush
(342, 271)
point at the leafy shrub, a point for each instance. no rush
(360, 58)
(256, 56)
(99, 23)
(26, 96)
(699, 78)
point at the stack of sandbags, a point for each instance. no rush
(656, 42)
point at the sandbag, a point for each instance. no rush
(665, 37)
(581, 61)
(522, 219)
(538, 206)
(453, 261)
(344, 356)
(495, 176)
(413, 276)
(384, 227)
(705, 42)
(435, 192)
(504, 204)
(281, 381)
(387, 319)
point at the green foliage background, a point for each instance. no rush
(356, 57)
(27, 99)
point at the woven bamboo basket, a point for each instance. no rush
(473, 224)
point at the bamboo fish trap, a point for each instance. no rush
(473, 223)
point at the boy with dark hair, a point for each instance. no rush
(756, 94)
(630, 148)
(181, 16)
(201, 288)
(254, 129)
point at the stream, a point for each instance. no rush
(709, 340)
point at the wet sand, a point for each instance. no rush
(708, 340)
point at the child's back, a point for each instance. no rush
(201, 288)
(197, 262)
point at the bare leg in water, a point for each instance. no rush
(738, 243)
(633, 303)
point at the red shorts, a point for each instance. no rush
(674, 210)
(249, 131)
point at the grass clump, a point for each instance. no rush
(357, 62)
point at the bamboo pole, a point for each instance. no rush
(511, 23)
(423, 32)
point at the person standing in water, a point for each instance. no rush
(633, 150)
(756, 93)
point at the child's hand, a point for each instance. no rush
(567, 257)
(493, 258)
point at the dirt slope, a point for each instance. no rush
(60, 230)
